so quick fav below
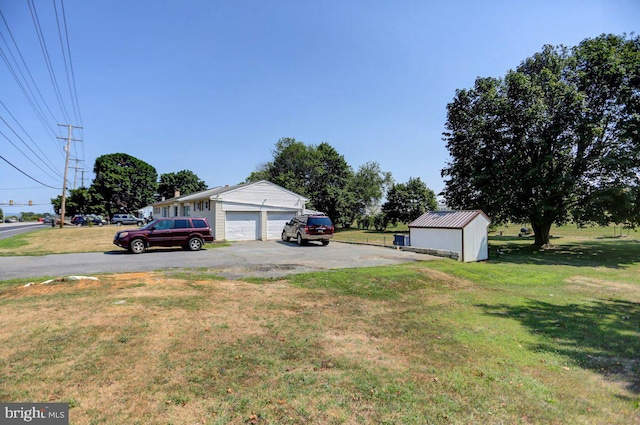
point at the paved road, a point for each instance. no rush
(12, 229)
(242, 259)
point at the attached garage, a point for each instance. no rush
(276, 222)
(462, 232)
(242, 226)
(245, 212)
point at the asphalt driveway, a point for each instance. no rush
(241, 259)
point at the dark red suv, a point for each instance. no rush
(309, 227)
(188, 232)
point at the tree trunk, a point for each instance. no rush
(541, 232)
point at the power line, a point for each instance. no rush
(35, 180)
(27, 134)
(26, 82)
(33, 102)
(47, 58)
(25, 155)
(74, 95)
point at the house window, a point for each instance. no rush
(185, 210)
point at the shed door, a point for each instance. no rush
(276, 222)
(242, 226)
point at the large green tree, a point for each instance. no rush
(370, 184)
(79, 201)
(408, 201)
(556, 138)
(184, 181)
(123, 183)
(318, 172)
(329, 184)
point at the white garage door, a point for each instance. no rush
(242, 226)
(276, 222)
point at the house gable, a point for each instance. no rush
(241, 212)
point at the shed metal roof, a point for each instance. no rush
(446, 219)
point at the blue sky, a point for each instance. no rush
(210, 86)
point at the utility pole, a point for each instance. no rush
(67, 149)
(75, 172)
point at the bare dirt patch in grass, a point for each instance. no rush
(601, 285)
(447, 280)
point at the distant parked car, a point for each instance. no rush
(188, 232)
(120, 219)
(309, 227)
(86, 220)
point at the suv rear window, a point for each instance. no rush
(319, 221)
(199, 224)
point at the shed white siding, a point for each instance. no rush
(464, 232)
(445, 239)
(476, 240)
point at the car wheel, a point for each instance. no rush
(139, 223)
(325, 242)
(119, 223)
(100, 224)
(285, 238)
(195, 244)
(137, 246)
(299, 239)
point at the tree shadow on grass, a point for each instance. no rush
(603, 336)
(591, 253)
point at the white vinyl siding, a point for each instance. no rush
(445, 239)
(242, 226)
(476, 240)
(264, 195)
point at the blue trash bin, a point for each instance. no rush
(401, 240)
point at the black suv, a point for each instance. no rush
(309, 227)
(188, 232)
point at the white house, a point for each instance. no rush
(250, 211)
(464, 232)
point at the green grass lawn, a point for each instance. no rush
(529, 337)
(505, 233)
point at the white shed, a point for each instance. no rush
(464, 232)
